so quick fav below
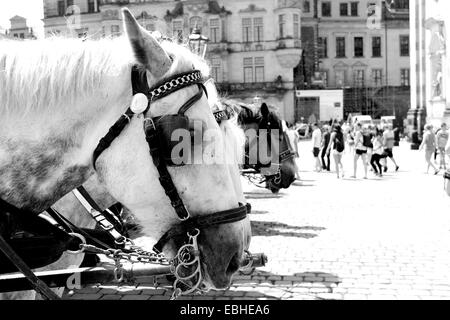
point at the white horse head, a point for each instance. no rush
(58, 98)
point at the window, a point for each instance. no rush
(254, 72)
(258, 24)
(61, 8)
(247, 30)
(402, 4)
(343, 8)
(69, 5)
(326, 9)
(195, 22)
(340, 78)
(404, 77)
(404, 46)
(306, 6)
(248, 70)
(115, 30)
(281, 25)
(16, 35)
(376, 47)
(354, 9)
(178, 30)
(296, 26)
(91, 6)
(214, 32)
(377, 76)
(216, 68)
(323, 48)
(371, 9)
(359, 78)
(259, 69)
(359, 47)
(340, 47)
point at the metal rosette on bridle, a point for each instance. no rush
(186, 267)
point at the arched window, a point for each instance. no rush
(195, 22)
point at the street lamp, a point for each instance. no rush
(198, 42)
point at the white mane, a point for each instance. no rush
(53, 73)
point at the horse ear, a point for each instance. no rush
(265, 111)
(146, 49)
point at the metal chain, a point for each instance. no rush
(138, 255)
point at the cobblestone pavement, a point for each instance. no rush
(326, 238)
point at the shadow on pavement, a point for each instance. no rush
(270, 229)
(263, 195)
(259, 212)
(303, 184)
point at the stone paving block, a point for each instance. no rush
(135, 297)
(111, 297)
(254, 294)
(86, 296)
(233, 293)
(88, 290)
(130, 292)
(283, 283)
(330, 296)
(160, 297)
(108, 291)
(149, 291)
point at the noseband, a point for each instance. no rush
(157, 134)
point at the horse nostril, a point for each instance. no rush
(234, 265)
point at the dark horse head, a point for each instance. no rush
(280, 169)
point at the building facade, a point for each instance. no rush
(430, 27)
(253, 49)
(362, 48)
(19, 29)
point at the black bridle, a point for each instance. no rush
(157, 130)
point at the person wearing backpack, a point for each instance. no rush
(337, 144)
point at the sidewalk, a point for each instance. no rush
(326, 238)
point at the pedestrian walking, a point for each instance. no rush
(325, 157)
(317, 143)
(388, 143)
(293, 140)
(369, 133)
(337, 144)
(360, 151)
(378, 153)
(429, 143)
(442, 139)
(349, 138)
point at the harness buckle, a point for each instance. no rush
(152, 123)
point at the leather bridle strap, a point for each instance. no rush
(202, 222)
(112, 134)
(151, 135)
(105, 220)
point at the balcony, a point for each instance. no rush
(288, 52)
(239, 87)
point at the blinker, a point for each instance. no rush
(139, 103)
